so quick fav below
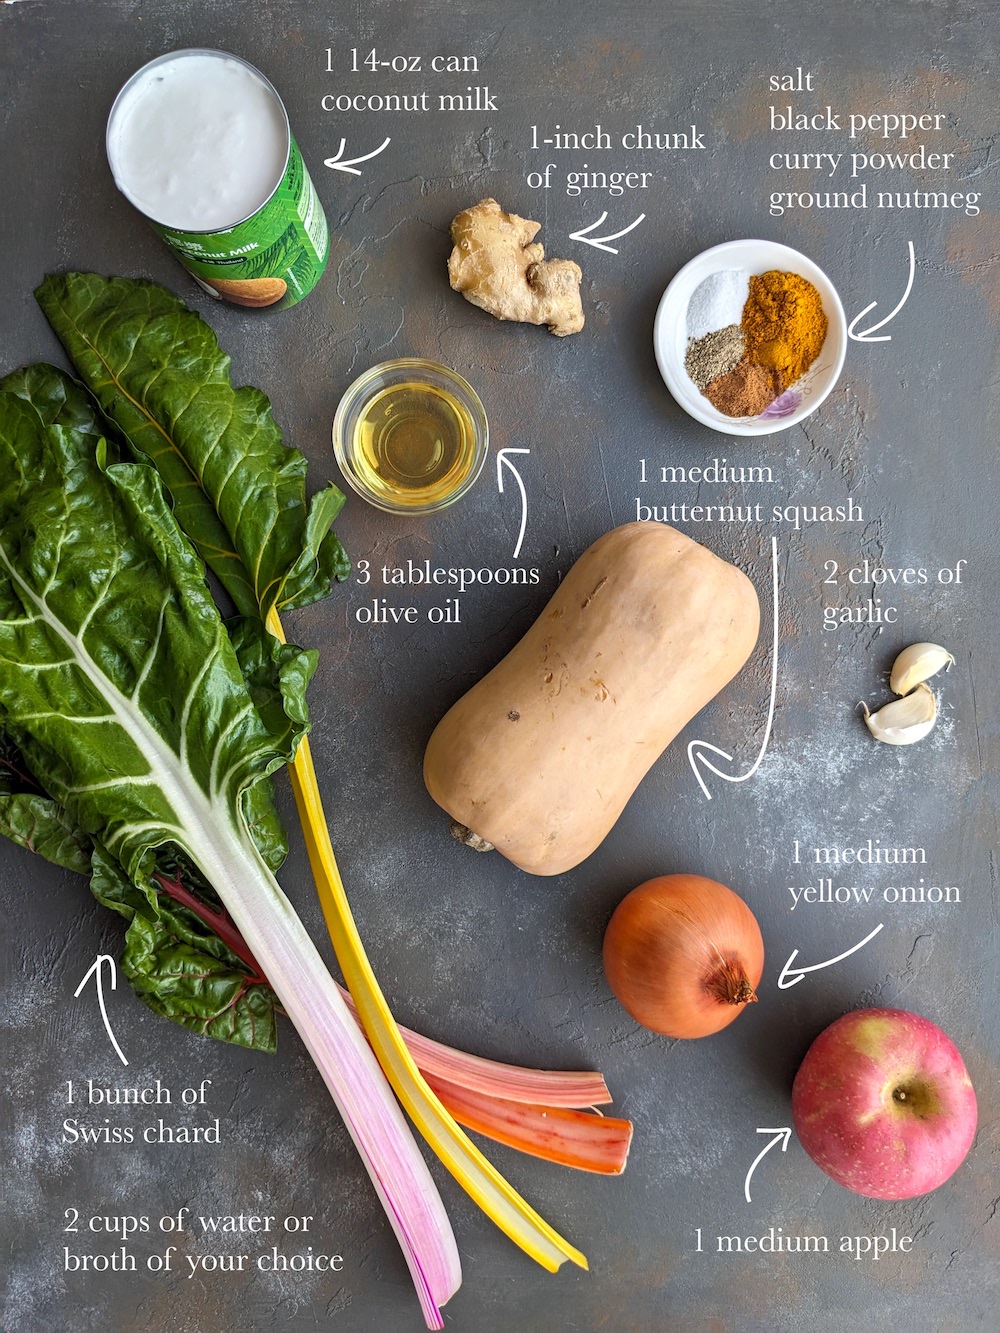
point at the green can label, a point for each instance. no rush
(274, 258)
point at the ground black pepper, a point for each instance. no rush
(714, 354)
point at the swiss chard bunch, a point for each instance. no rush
(174, 957)
(127, 702)
(139, 733)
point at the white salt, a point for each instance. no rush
(718, 302)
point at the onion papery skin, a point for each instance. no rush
(683, 955)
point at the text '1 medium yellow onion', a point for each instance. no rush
(683, 954)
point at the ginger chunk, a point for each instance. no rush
(497, 265)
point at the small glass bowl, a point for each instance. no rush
(410, 436)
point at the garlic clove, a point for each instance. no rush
(904, 720)
(916, 664)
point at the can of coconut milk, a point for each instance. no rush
(199, 142)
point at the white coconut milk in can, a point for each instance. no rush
(199, 142)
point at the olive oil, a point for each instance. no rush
(411, 436)
(415, 445)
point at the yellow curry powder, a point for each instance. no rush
(783, 324)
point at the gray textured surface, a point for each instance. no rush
(467, 948)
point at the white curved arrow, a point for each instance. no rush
(866, 335)
(502, 461)
(337, 165)
(95, 971)
(792, 976)
(600, 242)
(779, 1135)
(695, 756)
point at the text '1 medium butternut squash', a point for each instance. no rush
(540, 758)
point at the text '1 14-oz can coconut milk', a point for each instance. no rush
(199, 142)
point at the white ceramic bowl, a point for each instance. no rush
(670, 337)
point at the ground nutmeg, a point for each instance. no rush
(746, 391)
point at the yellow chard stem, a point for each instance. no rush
(499, 1200)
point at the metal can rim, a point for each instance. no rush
(199, 51)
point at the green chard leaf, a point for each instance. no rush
(174, 955)
(54, 518)
(277, 676)
(176, 960)
(158, 372)
(127, 713)
(123, 692)
(116, 673)
(58, 399)
(32, 819)
(182, 982)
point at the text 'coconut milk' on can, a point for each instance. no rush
(199, 142)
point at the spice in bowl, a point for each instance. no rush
(743, 368)
(784, 326)
(746, 391)
(713, 355)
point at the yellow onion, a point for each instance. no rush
(683, 954)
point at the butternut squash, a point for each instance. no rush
(542, 755)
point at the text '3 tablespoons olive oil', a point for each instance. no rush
(410, 436)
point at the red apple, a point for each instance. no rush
(883, 1104)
